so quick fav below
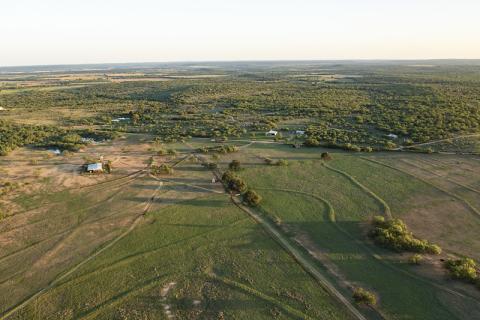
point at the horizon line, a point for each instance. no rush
(240, 60)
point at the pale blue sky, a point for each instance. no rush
(96, 31)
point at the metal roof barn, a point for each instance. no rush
(95, 167)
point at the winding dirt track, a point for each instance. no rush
(369, 251)
(297, 255)
(57, 280)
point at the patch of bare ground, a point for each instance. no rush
(445, 221)
(462, 186)
(164, 291)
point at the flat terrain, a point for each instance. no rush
(355, 141)
(136, 246)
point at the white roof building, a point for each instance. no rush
(393, 136)
(271, 133)
(95, 167)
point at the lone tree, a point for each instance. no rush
(233, 182)
(235, 165)
(364, 297)
(326, 156)
(252, 198)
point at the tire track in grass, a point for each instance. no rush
(128, 259)
(370, 251)
(53, 283)
(386, 208)
(309, 267)
(467, 204)
(65, 233)
(119, 298)
(261, 295)
(109, 198)
(440, 176)
(331, 211)
(135, 176)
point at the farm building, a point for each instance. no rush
(95, 167)
(120, 119)
(2, 108)
(271, 133)
(56, 152)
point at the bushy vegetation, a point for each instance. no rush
(394, 234)
(7, 186)
(223, 149)
(14, 135)
(235, 165)
(416, 259)
(326, 156)
(161, 169)
(464, 269)
(233, 182)
(252, 198)
(355, 113)
(282, 163)
(279, 162)
(364, 297)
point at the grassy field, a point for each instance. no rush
(326, 207)
(218, 260)
(134, 246)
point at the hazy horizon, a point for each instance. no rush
(58, 33)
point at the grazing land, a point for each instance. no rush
(197, 213)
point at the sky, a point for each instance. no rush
(36, 32)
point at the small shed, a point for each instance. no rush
(95, 167)
(271, 133)
(56, 152)
(300, 132)
(2, 108)
(392, 136)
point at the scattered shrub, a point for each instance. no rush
(416, 259)
(252, 198)
(172, 152)
(107, 166)
(326, 156)
(282, 163)
(268, 161)
(211, 165)
(365, 297)
(235, 165)
(233, 182)
(464, 269)
(312, 142)
(161, 169)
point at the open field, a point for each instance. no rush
(163, 237)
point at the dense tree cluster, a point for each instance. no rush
(353, 107)
(16, 135)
